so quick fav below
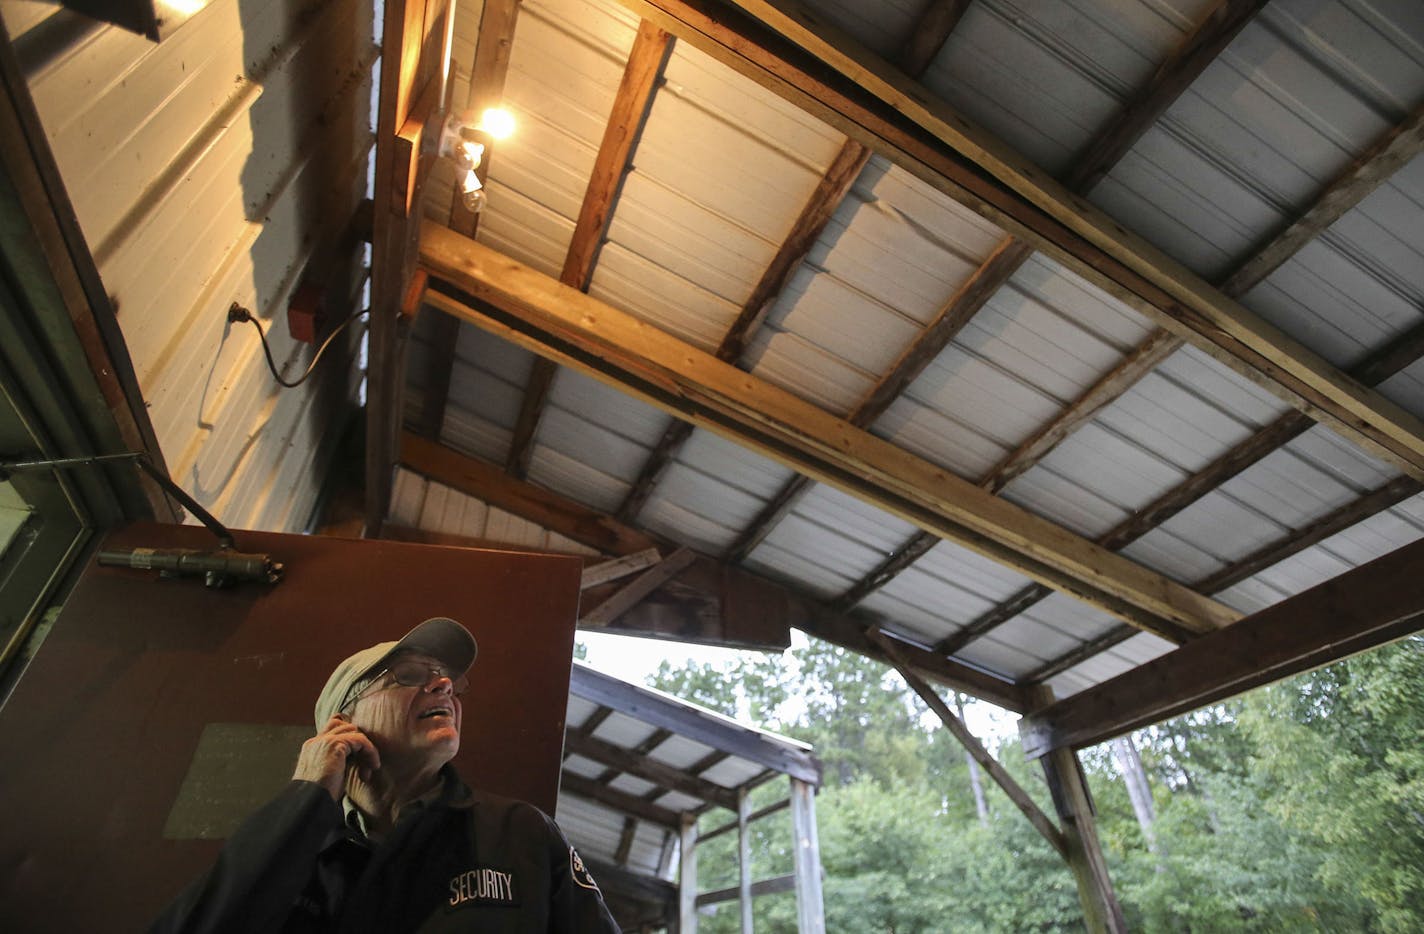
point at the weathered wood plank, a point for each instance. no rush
(779, 604)
(650, 769)
(630, 595)
(1367, 172)
(1020, 798)
(1001, 186)
(631, 105)
(582, 787)
(531, 309)
(1368, 606)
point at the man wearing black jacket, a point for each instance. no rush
(376, 832)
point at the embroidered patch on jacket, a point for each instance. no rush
(580, 872)
(483, 887)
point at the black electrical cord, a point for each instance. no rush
(237, 313)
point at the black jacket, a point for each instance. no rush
(466, 862)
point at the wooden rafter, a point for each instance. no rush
(1373, 370)
(642, 75)
(596, 530)
(631, 594)
(522, 305)
(1362, 608)
(618, 800)
(933, 29)
(1366, 173)
(649, 769)
(913, 129)
(1173, 76)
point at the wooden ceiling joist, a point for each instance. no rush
(1368, 606)
(1110, 144)
(651, 770)
(777, 45)
(929, 35)
(588, 527)
(640, 808)
(1373, 370)
(532, 310)
(642, 75)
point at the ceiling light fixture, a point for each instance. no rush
(464, 144)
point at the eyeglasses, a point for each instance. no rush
(412, 674)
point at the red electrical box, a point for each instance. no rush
(306, 314)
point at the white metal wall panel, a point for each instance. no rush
(258, 113)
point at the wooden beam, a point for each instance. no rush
(1114, 636)
(625, 841)
(445, 335)
(606, 571)
(779, 602)
(1368, 606)
(1337, 520)
(1139, 362)
(629, 596)
(773, 512)
(930, 33)
(631, 105)
(1375, 368)
(985, 175)
(745, 889)
(687, 877)
(1074, 803)
(971, 744)
(460, 472)
(618, 800)
(522, 305)
(650, 769)
(806, 860)
(1110, 144)
(1364, 174)
(907, 555)
(754, 816)
(1176, 73)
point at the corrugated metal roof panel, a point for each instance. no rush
(631, 784)
(721, 168)
(680, 752)
(732, 772)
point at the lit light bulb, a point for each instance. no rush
(497, 122)
(472, 193)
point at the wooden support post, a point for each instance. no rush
(744, 861)
(687, 881)
(1101, 912)
(806, 856)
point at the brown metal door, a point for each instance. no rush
(157, 712)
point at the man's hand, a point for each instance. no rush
(324, 757)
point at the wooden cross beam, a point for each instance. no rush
(1368, 606)
(529, 308)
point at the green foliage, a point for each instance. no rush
(1298, 807)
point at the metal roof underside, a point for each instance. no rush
(633, 755)
(722, 170)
